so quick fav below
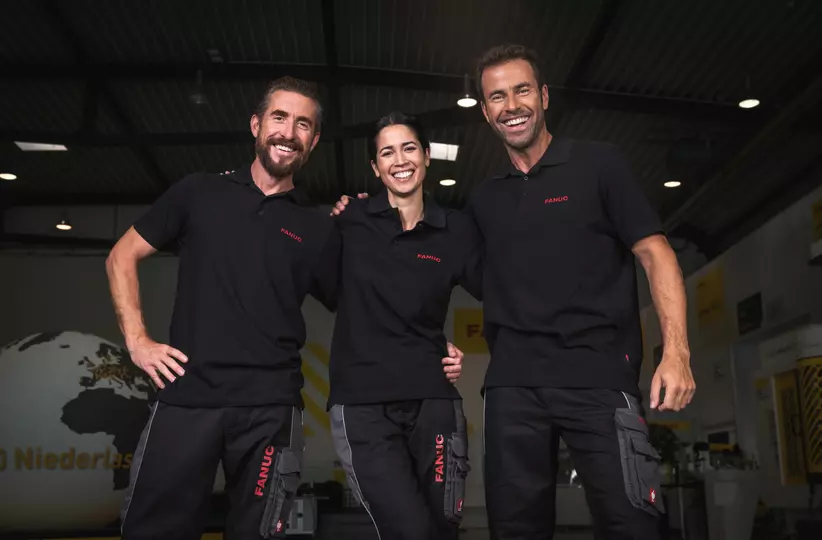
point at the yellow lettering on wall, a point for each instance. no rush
(469, 335)
(23, 459)
(51, 460)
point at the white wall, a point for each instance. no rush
(773, 261)
(48, 291)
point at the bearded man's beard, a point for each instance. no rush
(285, 168)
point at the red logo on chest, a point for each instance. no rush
(552, 200)
(291, 235)
(428, 257)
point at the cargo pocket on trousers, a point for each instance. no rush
(456, 466)
(284, 484)
(640, 463)
(456, 473)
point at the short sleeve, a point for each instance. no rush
(627, 206)
(325, 281)
(472, 257)
(165, 222)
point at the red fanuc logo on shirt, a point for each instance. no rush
(428, 257)
(552, 200)
(291, 235)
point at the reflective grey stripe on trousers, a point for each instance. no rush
(137, 461)
(343, 448)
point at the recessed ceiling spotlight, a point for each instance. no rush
(8, 176)
(672, 183)
(447, 182)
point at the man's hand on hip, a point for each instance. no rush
(156, 358)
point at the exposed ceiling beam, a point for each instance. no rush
(785, 194)
(11, 200)
(448, 117)
(805, 96)
(577, 75)
(332, 84)
(352, 75)
(12, 241)
(100, 90)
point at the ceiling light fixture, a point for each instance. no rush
(748, 102)
(466, 100)
(198, 97)
(672, 183)
(8, 176)
(447, 152)
(40, 147)
(64, 225)
(447, 182)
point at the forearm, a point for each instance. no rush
(670, 301)
(125, 294)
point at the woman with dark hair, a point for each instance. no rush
(396, 418)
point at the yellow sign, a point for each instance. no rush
(817, 220)
(792, 459)
(315, 374)
(710, 297)
(810, 380)
(468, 331)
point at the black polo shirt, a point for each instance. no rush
(246, 263)
(396, 286)
(560, 293)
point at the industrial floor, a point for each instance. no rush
(356, 525)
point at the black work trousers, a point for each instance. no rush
(607, 439)
(175, 465)
(406, 463)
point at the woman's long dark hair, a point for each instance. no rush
(397, 118)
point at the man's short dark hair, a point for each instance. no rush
(291, 84)
(500, 54)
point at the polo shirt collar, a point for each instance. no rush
(243, 176)
(433, 214)
(558, 152)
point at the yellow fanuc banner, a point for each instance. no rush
(468, 331)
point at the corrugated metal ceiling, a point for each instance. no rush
(700, 50)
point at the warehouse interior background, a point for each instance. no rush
(717, 106)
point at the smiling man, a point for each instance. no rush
(251, 248)
(563, 225)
